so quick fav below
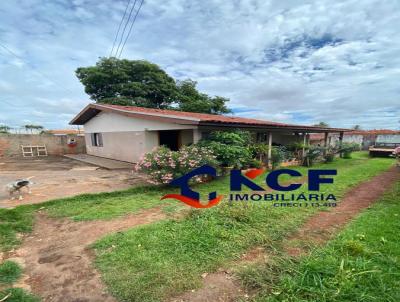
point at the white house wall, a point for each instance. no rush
(126, 146)
(113, 122)
(353, 138)
(126, 138)
(388, 138)
(187, 137)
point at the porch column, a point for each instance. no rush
(303, 152)
(269, 148)
(196, 136)
(340, 142)
(326, 141)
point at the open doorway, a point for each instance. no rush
(170, 139)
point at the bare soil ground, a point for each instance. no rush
(217, 287)
(58, 177)
(222, 286)
(57, 261)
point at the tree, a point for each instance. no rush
(128, 82)
(357, 127)
(321, 124)
(144, 84)
(190, 99)
(4, 129)
(33, 127)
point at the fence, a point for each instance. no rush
(10, 144)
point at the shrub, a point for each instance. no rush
(346, 149)
(278, 155)
(329, 157)
(255, 163)
(297, 149)
(164, 165)
(259, 151)
(312, 155)
(230, 148)
(330, 154)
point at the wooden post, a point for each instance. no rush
(326, 141)
(303, 152)
(269, 149)
(340, 142)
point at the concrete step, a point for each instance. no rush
(102, 162)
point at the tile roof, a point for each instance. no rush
(190, 118)
(374, 132)
(194, 115)
(320, 136)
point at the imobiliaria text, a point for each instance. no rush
(278, 193)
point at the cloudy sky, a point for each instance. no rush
(283, 60)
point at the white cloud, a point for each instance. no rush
(292, 61)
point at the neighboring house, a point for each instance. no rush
(126, 132)
(364, 138)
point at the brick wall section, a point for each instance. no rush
(10, 144)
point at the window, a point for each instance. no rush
(97, 139)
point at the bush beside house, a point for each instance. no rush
(164, 165)
(230, 150)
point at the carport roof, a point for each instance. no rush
(191, 118)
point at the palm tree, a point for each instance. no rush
(4, 129)
(33, 127)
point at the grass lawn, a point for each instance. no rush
(12, 222)
(17, 295)
(9, 272)
(361, 264)
(153, 262)
(114, 204)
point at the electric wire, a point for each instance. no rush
(119, 27)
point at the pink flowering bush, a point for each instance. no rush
(396, 152)
(163, 165)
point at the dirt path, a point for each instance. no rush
(223, 287)
(58, 264)
(323, 225)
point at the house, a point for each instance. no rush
(126, 133)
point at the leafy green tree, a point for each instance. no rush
(144, 84)
(190, 99)
(321, 124)
(357, 127)
(128, 82)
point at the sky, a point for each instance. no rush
(282, 60)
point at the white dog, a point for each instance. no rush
(16, 186)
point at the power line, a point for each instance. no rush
(123, 31)
(119, 27)
(34, 69)
(130, 29)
